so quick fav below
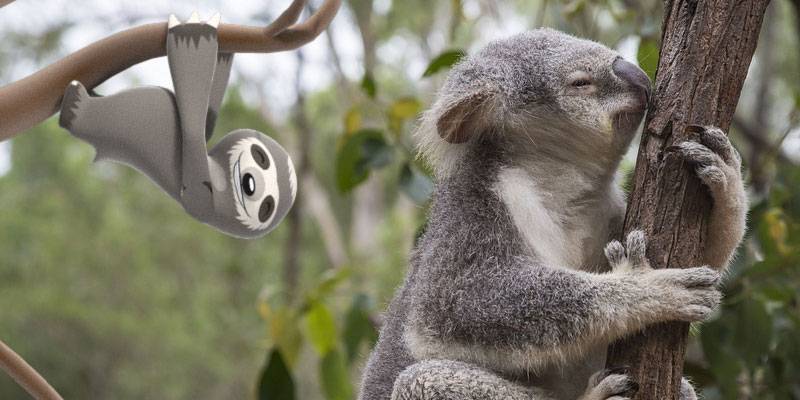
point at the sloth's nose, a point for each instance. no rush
(631, 74)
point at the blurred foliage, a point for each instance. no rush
(112, 292)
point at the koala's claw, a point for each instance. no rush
(610, 384)
(716, 161)
(716, 140)
(630, 257)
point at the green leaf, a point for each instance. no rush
(275, 382)
(723, 364)
(443, 61)
(369, 86)
(358, 327)
(415, 184)
(753, 333)
(573, 8)
(352, 121)
(330, 280)
(361, 152)
(402, 110)
(405, 108)
(320, 328)
(284, 332)
(647, 56)
(335, 378)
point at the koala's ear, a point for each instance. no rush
(461, 119)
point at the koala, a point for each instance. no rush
(512, 291)
(244, 186)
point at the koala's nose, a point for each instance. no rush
(631, 74)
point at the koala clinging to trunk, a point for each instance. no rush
(510, 294)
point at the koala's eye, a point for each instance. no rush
(259, 156)
(266, 209)
(248, 184)
(581, 82)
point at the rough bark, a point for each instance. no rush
(706, 48)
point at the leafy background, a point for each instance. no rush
(112, 292)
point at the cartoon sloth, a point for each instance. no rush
(244, 186)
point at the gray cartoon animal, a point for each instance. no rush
(509, 292)
(244, 186)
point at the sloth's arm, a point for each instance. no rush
(192, 54)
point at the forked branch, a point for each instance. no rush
(33, 99)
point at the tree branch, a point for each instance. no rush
(25, 375)
(705, 53)
(33, 99)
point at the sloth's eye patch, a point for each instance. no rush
(266, 209)
(259, 156)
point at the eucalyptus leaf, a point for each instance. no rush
(369, 86)
(358, 327)
(276, 381)
(647, 56)
(361, 152)
(335, 377)
(753, 333)
(443, 61)
(320, 328)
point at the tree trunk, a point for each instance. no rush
(706, 48)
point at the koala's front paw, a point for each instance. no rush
(631, 257)
(610, 384)
(718, 165)
(716, 162)
(670, 294)
(688, 295)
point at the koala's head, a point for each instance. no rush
(255, 183)
(543, 93)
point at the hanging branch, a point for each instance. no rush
(31, 100)
(706, 48)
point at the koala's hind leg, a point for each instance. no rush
(453, 380)
(610, 384)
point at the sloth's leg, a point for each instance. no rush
(453, 380)
(138, 127)
(218, 86)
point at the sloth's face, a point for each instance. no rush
(254, 183)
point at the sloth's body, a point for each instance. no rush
(243, 186)
(509, 294)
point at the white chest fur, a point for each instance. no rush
(564, 226)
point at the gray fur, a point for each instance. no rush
(164, 136)
(509, 291)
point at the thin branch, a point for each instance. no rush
(4, 3)
(31, 100)
(758, 141)
(25, 375)
(319, 205)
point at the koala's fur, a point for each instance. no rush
(509, 294)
